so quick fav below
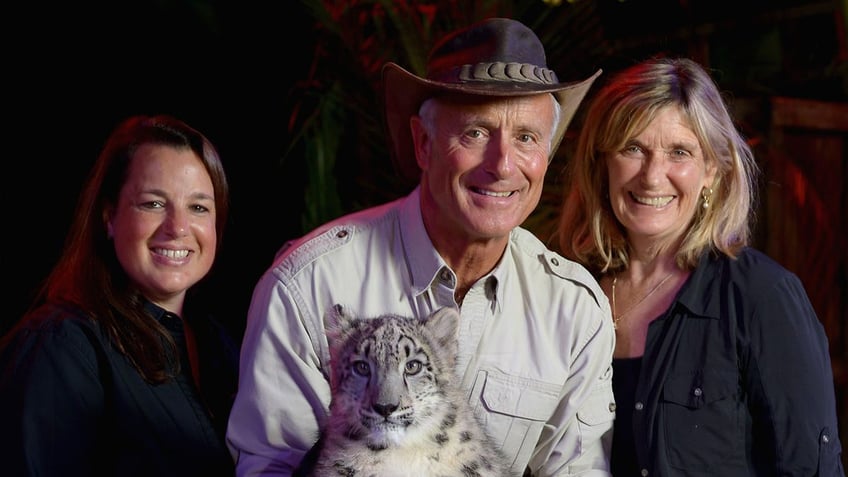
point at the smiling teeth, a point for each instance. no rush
(494, 194)
(653, 201)
(172, 253)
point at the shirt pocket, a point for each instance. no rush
(703, 420)
(514, 411)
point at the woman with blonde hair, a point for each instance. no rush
(721, 366)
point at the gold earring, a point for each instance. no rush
(706, 193)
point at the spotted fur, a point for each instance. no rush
(396, 408)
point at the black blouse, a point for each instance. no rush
(736, 380)
(625, 372)
(72, 405)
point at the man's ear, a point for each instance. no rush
(421, 141)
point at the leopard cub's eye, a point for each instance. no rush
(361, 368)
(413, 367)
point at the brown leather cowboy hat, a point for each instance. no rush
(494, 57)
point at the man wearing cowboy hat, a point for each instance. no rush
(535, 342)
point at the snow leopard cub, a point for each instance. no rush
(396, 407)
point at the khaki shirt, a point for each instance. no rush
(536, 341)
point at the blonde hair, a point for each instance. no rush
(588, 230)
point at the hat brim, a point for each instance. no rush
(403, 93)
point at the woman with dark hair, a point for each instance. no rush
(113, 371)
(721, 366)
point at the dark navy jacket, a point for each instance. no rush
(72, 405)
(736, 380)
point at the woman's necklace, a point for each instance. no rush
(616, 319)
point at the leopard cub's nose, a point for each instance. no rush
(385, 410)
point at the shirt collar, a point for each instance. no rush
(499, 275)
(698, 294)
(424, 262)
(153, 309)
(163, 316)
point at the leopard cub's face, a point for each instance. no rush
(387, 376)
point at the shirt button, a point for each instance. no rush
(825, 438)
(612, 407)
(697, 392)
(639, 406)
(643, 472)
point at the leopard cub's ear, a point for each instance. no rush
(336, 319)
(444, 324)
